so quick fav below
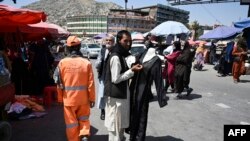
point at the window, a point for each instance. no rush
(93, 46)
(83, 45)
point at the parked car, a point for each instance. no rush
(90, 50)
(137, 49)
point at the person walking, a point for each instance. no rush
(229, 57)
(170, 64)
(183, 70)
(212, 54)
(116, 87)
(240, 55)
(75, 80)
(101, 68)
(222, 63)
(200, 57)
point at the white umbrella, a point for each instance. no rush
(170, 27)
(145, 34)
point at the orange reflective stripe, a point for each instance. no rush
(71, 125)
(83, 118)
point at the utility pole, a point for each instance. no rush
(126, 22)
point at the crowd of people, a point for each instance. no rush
(232, 59)
(124, 90)
(30, 67)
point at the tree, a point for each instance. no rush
(195, 26)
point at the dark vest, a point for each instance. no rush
(102, 68)
(115, 90)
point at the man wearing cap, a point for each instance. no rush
(76, 88)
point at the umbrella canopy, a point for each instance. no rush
(145, 34)
(242, 24)
(39, 30)
(44, 27)
(170, 27)
(137, 36)
(101, 36)
(15, 16)
(245, 25)
(221, 32)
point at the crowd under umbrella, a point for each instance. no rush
(12, 18)
(221, 33)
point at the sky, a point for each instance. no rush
(205, 14)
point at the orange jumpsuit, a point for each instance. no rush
(76, 89)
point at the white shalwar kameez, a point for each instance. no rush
(117, 110)
(100, 97)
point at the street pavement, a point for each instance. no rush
(215, 102)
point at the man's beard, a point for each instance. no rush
(108, 46)
(128, 48)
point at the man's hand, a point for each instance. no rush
(92, 104)
(136, 67)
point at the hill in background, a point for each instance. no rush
(58, 10)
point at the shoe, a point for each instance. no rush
(221, 75)
(85, 138)
(189, 90)
(178, 96)
(102, 117)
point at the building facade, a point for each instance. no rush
(134, 20)
(161, 13)
(87, 25)
(90, 25)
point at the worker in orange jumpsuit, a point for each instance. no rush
(76, 89)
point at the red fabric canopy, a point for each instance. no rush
(11, 18)
(17, 16)
(31, 32)
(28, 23)
(42, 29)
